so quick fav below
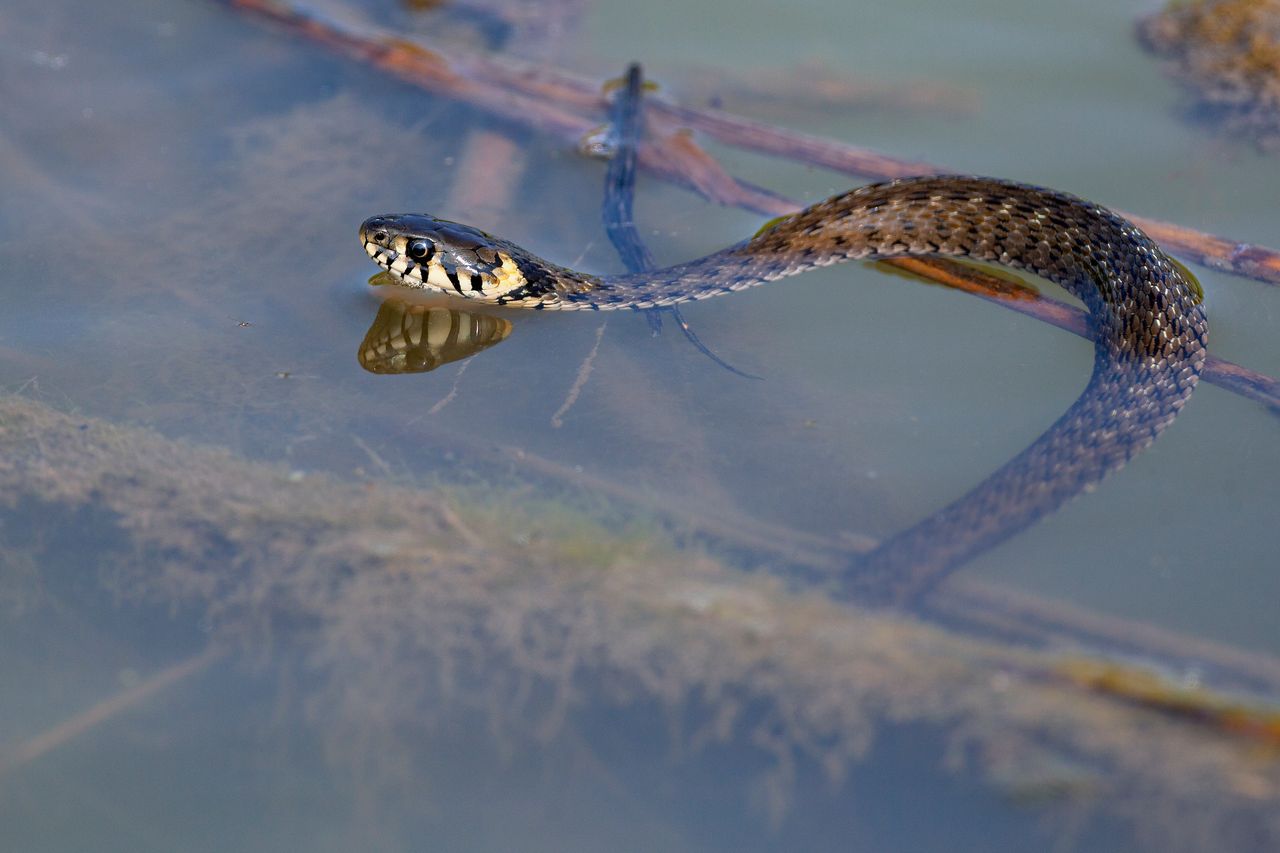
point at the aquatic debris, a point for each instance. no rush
(1228, 53)
(518, 604)
(1148, 689)
(550, 99)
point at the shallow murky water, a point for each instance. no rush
(254, 596)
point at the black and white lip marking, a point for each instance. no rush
(381, 255)
(429, 274)
(402, 245)
(382, 250)
(397, 263)
(391, 250)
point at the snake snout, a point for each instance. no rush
(377, 236)
(374, 230)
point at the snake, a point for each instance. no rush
(1145, 314)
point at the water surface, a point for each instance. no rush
(467, 609)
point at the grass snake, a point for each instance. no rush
(1149, 328)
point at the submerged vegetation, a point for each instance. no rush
(1226, 52)
(404, 600)
(193, 467)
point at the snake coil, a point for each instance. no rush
(1149, 329)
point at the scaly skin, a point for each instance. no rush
(1149, 329)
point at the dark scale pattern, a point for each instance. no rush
(1150, 335)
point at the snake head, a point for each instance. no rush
(424, 252)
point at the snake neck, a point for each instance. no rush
(1141, 304)
(1149, 329)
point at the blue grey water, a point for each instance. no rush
(178, 252)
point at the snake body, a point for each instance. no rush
(1149, 329)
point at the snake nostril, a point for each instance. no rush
(380, 237)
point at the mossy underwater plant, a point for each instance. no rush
(1227, 53)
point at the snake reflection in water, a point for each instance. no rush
(1149, 329)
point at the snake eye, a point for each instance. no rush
(379, 236)
(418, 249)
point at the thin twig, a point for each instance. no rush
(692, 337)
(627, 131)
(374, 457)
(971, 603)
(100, 712)
(453, 391)
(579, 381)
(617, 211)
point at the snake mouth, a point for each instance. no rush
(379, 244)
(399, 265)
(383, 256)
(384, 243)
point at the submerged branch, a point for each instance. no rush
(617, 211)
(627, 123)
(380, 581)
(554, 91)
(92, 717)
(960, 276)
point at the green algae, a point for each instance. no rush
(1227, 54)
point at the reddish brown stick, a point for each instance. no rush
(463, 76)
(548, 100)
